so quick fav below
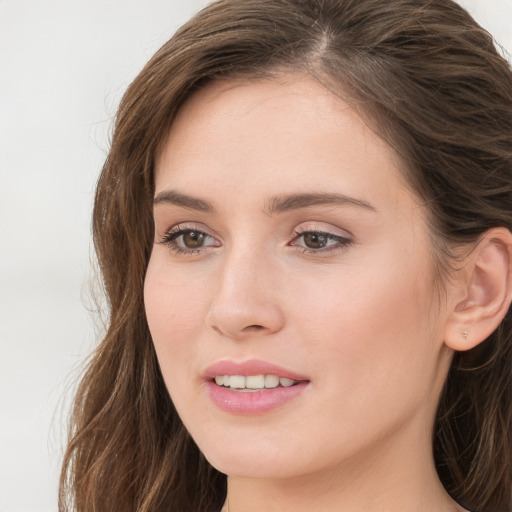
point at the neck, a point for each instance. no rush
(392, 478)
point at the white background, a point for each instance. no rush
(64, 65)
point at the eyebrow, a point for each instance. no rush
(278, 204)
(184, 200)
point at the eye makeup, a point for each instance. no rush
(190, 240)
(317, 242)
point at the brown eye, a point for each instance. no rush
(315, 240)
(185, 241)
(320, 243)
(193, 239)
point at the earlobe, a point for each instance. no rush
(485, 291)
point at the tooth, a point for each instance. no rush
(286, 382)
(255, 381)
(237, 381)
(271, 381)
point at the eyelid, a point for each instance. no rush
(188, 226)
(341, 240)
(320, 227)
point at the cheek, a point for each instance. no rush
(369, 332)
(175, 311)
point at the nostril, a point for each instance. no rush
(253, 328)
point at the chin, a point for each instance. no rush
(249, 457)
(259, 466)
(279, 454)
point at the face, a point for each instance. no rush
(289, 253)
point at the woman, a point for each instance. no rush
(303, 227)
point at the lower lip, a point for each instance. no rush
(253, 402)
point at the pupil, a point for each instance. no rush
(193, 239)
(315, 240)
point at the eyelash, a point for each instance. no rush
(342, 241)
(170, 237)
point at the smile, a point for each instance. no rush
(252, 387)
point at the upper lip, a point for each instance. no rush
(250, 367)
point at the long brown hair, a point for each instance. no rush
(430, 81)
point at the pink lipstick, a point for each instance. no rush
(252, 387)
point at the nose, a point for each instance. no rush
(246, 303)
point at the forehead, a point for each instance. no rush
(275, 136)
(264, 106)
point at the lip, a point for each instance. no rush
(250, 367)
(252, 402)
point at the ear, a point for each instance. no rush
(481, 292)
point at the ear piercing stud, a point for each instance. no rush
(465, 334)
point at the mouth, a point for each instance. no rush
(252, 387)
